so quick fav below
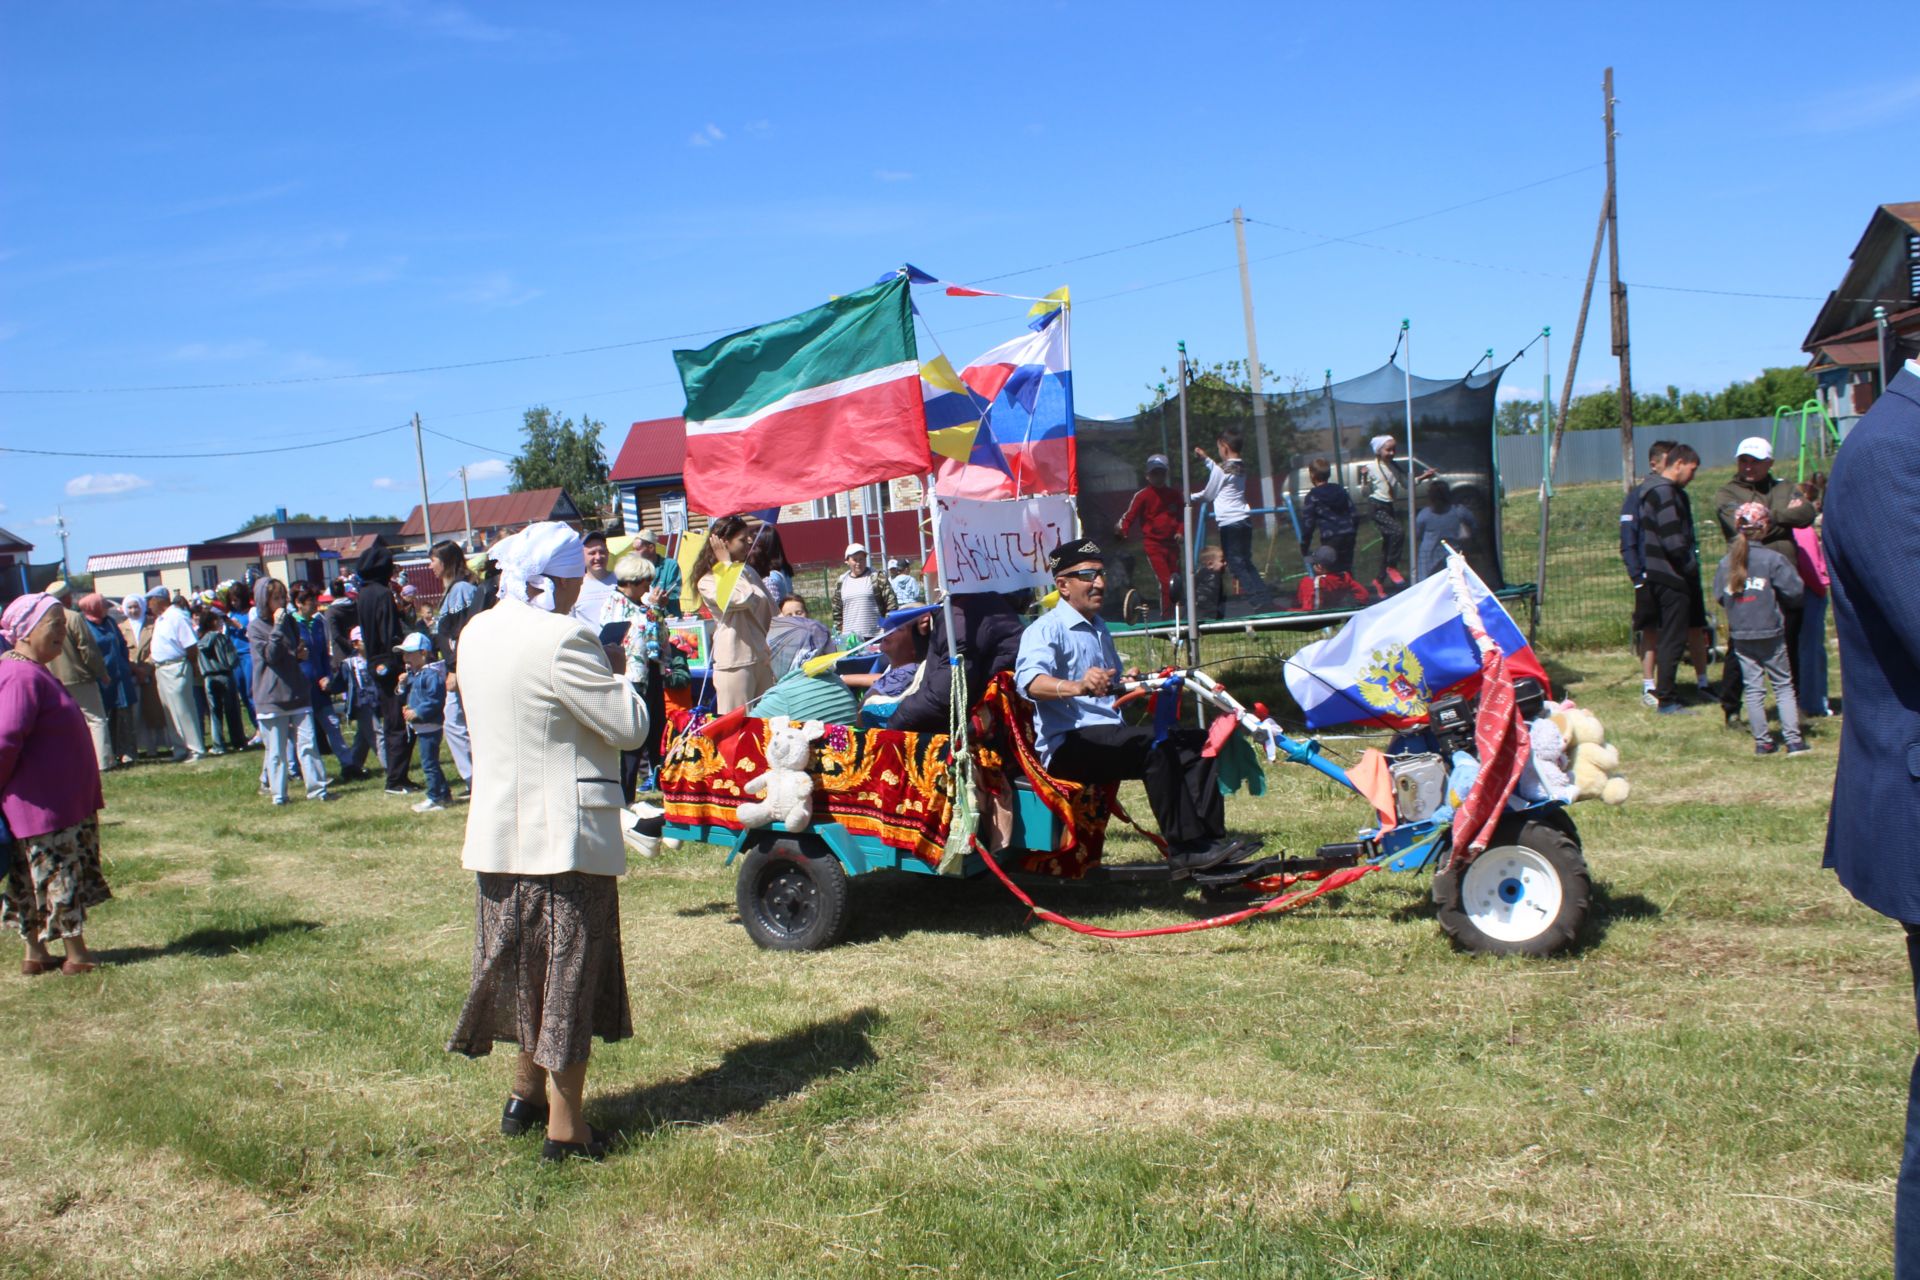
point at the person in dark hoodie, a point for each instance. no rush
(281, 698)
(1672, 561)
(990, 627)
(381, 631)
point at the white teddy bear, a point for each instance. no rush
(1596, 762)
(787, 786)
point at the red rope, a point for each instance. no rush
(1286, 902)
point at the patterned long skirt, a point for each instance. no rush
(547, 970)
(52, 881)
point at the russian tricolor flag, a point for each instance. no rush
(1026, 386)
(1394, 658)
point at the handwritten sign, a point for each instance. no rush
(1002, 546)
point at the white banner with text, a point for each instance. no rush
(1002, 545)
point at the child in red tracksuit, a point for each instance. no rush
(1327, 587)
(1157, 508)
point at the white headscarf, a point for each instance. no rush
(1380, 442)
(135, 608)
(534, 557)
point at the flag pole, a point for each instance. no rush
(1192, 557)
(1413, 500)
(960, 748)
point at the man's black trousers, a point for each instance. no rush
(1674, 603)
(1182, 785)
(399, 748)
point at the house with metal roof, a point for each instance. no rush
(488, 519)
(647, 476)
(1871, 323)
(187, 568)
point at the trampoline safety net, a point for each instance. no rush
(1453, 433)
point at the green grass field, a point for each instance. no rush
(1712, 1085)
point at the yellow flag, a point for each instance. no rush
(954, 442)
(823, 663)
(725, 578)
(1058, 298)
(690, 547)
(939, 372)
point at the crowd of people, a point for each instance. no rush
(1327, 521)
(1772, 583)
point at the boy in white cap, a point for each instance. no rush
(861, 597)
(1754, 481)
(1387, 480)
(425, 685)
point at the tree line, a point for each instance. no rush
(1757, 398)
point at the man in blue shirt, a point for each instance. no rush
(1068, 668)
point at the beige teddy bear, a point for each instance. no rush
(786, 784)
(1596, 762)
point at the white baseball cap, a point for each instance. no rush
(1755, 447)
(853, 549)
(416, 642)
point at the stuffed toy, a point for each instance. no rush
(1596, 773)
(1549, 772)
(787, 786)
(1595, 762)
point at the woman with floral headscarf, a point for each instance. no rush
(49, 793)
(117, 692)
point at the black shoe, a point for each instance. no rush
(519, 1115)
(598, 1143)
(1767, 747)
(1798, 748)
(1201, 854)
(354, 775)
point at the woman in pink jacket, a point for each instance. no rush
(49, 793)
(1811, 561)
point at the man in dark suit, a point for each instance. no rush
(1872, 535)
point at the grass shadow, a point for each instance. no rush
(747, 1078)
(212, 941)
(1605, 907)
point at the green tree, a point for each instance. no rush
(1517, 417)
(1220, 397)
(1755, 399)
(560, 454)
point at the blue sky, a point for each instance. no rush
(246, 192)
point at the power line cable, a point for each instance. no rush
(230, 453)
(348, 377)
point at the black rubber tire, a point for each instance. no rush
(1553, 837)
(793, 896)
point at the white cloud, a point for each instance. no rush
(496, 289)
(105, 484)
(487, 469)
(46, 521)
(892, 175)
(244, 349)
(385, 482)
(758, 127)
(707, 137)
(3, 506)
(427, 17)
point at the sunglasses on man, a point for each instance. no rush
(1085, 575)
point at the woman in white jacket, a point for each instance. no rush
(548, 716)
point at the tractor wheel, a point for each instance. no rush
(792, 897)
(1525, 896)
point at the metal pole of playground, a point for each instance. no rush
(1413, 502)
(1546, 475)
(1192, 557)
(1333, 424)
(1879, 343)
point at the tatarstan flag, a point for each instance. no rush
(821, 402)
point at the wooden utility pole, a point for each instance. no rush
(426, 507)
(1268, 491)
(466, 508)
(1621, 345)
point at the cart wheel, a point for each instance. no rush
(1525, 896)
(792, 899)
